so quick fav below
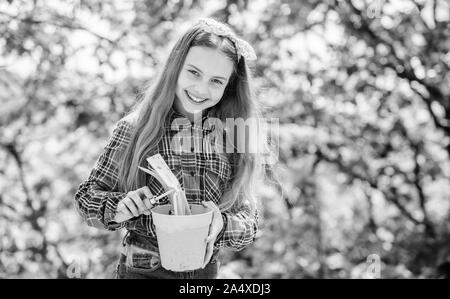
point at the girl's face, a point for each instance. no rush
(202, 80)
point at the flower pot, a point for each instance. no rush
(181, 239)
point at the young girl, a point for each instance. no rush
(206, 76)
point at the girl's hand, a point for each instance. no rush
(214, 230)
(136, 202)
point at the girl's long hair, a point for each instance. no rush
(154, 106)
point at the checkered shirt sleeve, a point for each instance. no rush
(98, 196)
(239, 229)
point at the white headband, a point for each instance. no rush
(243, 48)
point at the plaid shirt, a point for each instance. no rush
(202, 172)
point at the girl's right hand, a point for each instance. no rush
(135, 203)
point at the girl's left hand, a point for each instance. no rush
(214, 230)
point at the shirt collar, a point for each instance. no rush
(178, 121)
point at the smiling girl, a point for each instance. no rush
(206, 76)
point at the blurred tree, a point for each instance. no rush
(372, 99)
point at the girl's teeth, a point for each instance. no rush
(195, 98)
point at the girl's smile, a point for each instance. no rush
(196, 100)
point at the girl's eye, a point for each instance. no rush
(194, 73)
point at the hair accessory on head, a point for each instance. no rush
(243, 48)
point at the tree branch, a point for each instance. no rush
(372, 223)
(422, 199)
(12, 150)
(35, 213)
(434, 12)
(62, 24)
(435, 94)
(391, 196)
(428, 102)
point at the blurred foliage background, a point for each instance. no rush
(361, 89)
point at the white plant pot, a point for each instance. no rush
(181, 239)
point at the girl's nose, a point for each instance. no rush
(202, 90)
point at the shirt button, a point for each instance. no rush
(192, 173)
